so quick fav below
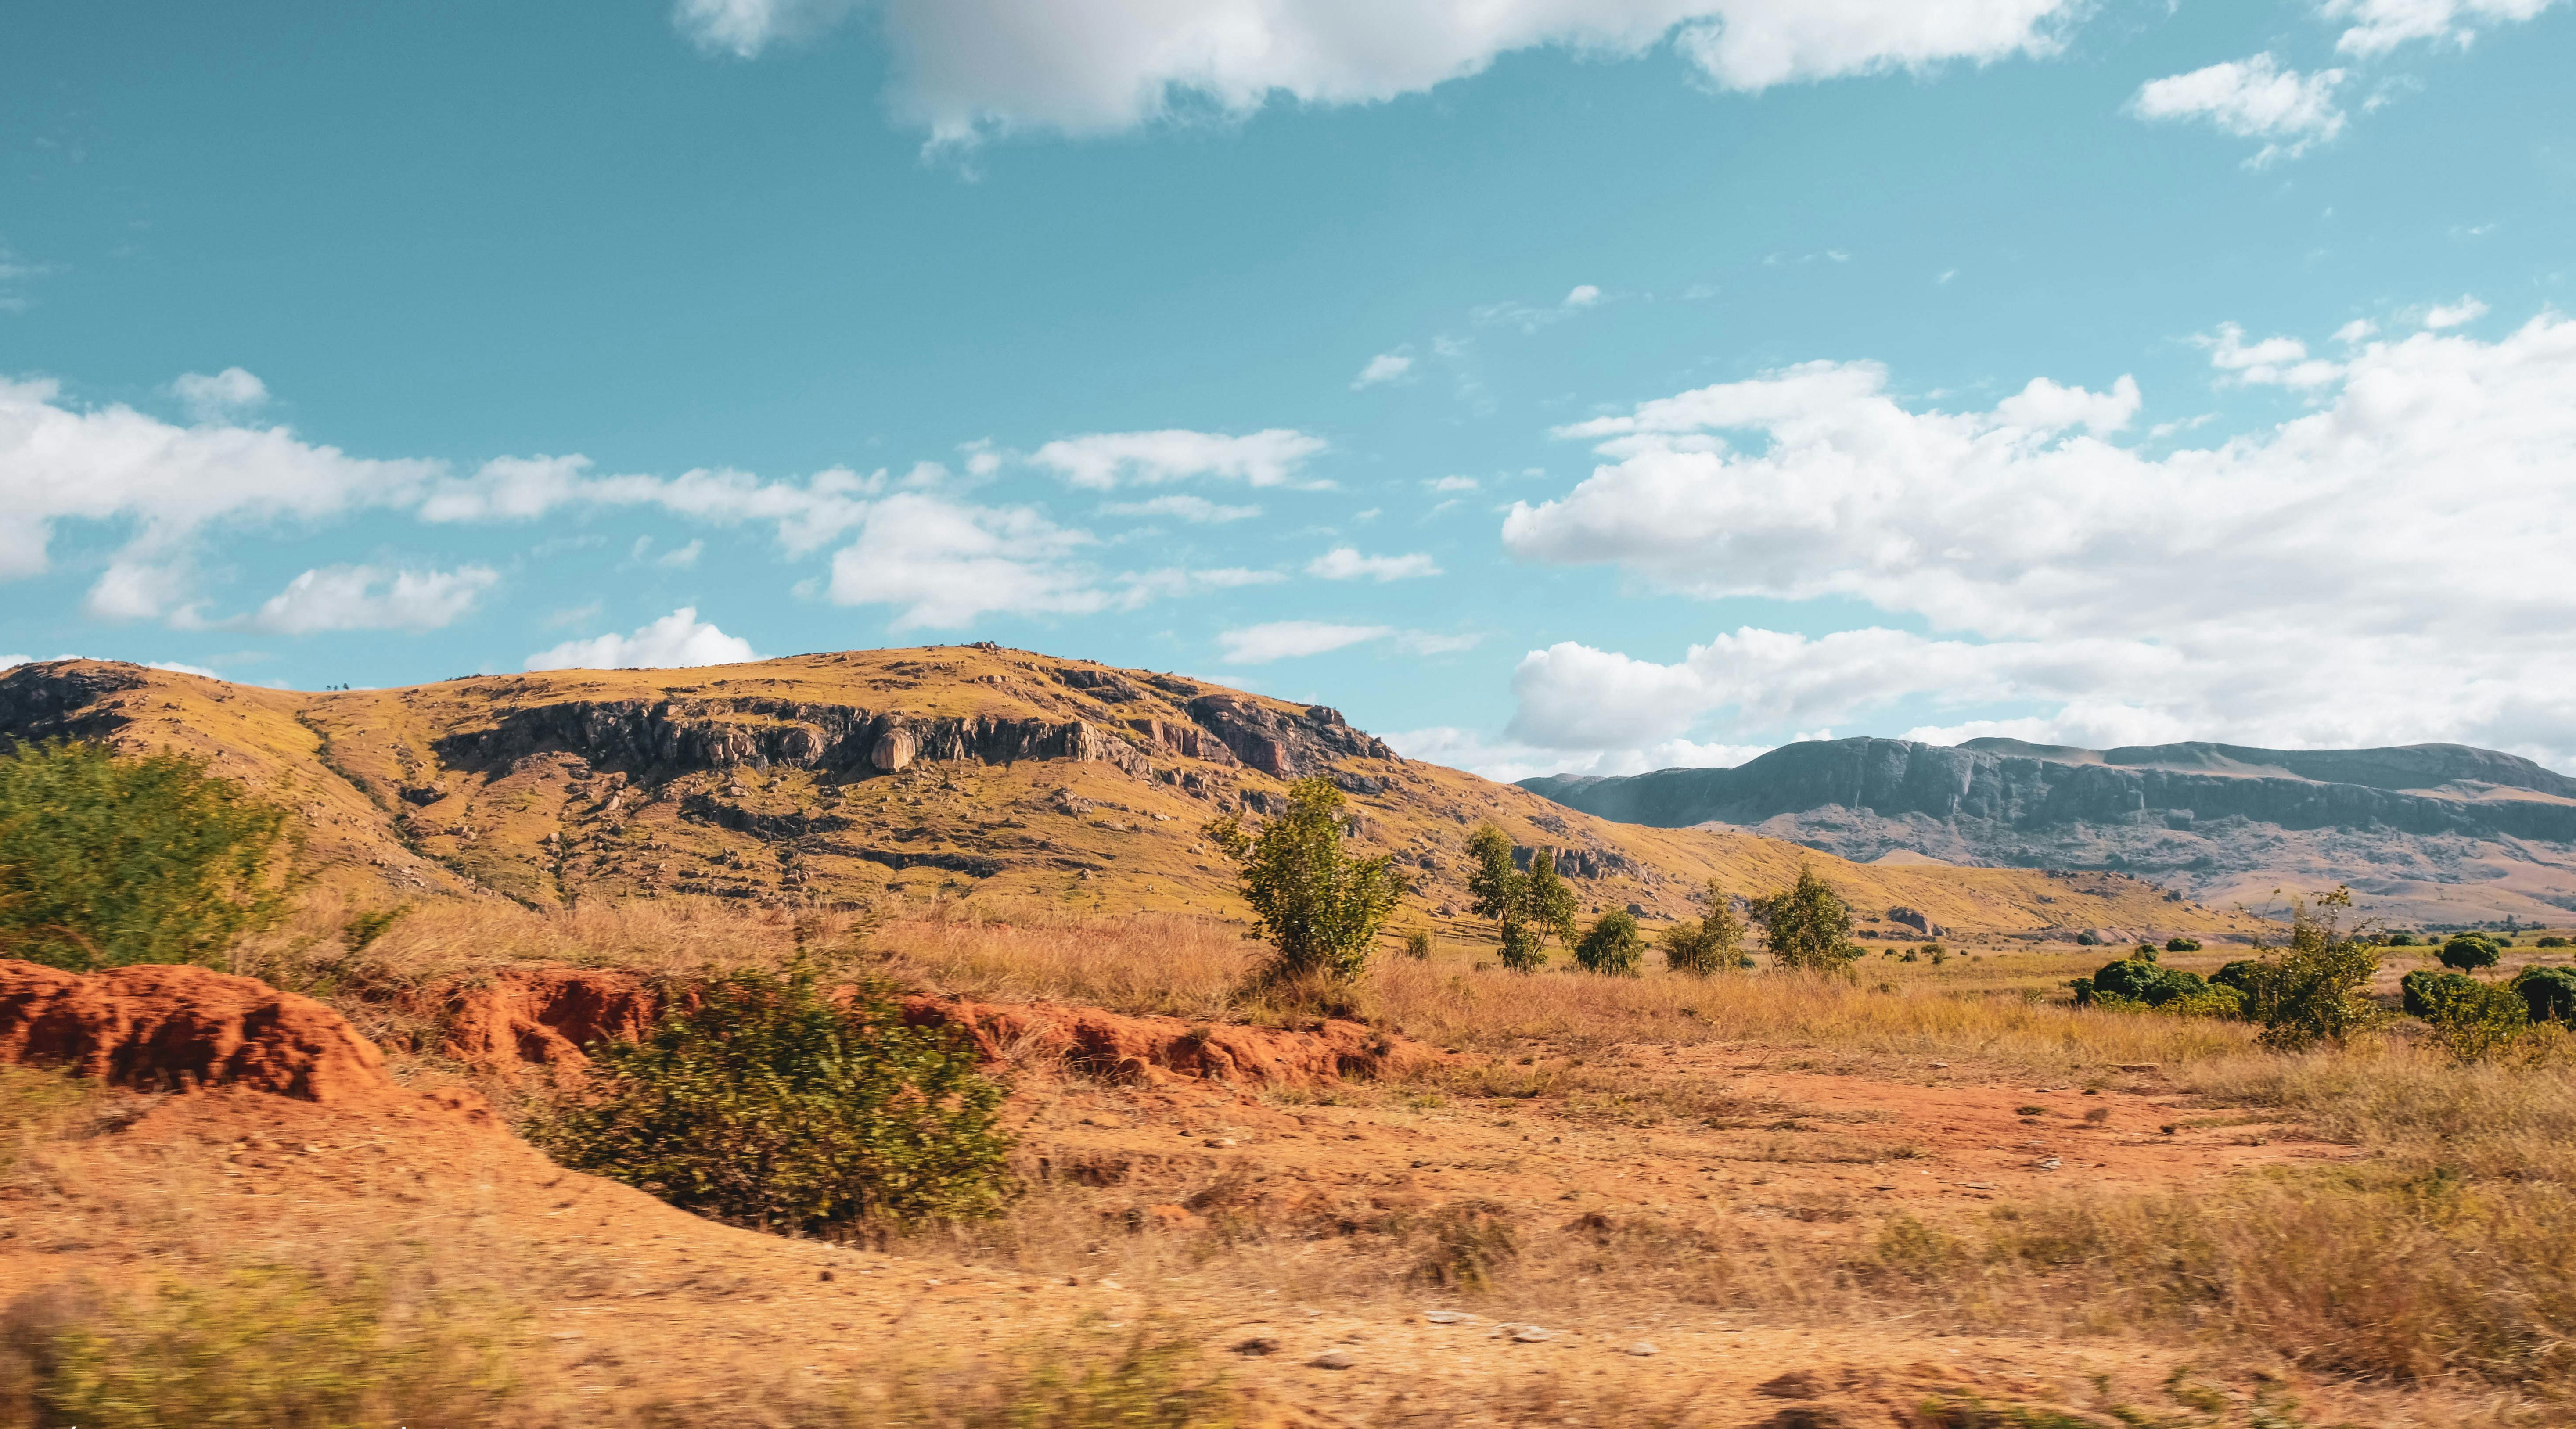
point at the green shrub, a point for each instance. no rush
(2087, 940)
(2552, 941)
(2472, 1019)
(1527, 906)
(2548, 994)
(2401, 940)
(2135, 982)
(1808, 925)
(1612, 946)
(2469, 951)
(2423, 989)
(1701, 946)
(1417, 943)
(2238, 974)
(2315, 989)
(107, 859)
(1320, 908)
(760, 1101)
(2145, 952)
(2182, 945)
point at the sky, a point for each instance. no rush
(1548, 385)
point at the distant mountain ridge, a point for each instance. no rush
(2437, 832)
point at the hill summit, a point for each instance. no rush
(2438, 833)
(847, 778)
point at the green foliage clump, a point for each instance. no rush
(1527, 906)
(1320, 908)
(1417, 943)
(2238, 974)
(2182, 945)
(2315, 989)
(761, 1101)
(2420, 991)
(1612, 946)
(260, 1345)
(1701, 946)
(108, 859)
(2548, 994)
(2469, 952)
(2472, 1019)
(2400, 939)
(2138, 983)
(1808, 925)
(2552, 941)
(2087, 939)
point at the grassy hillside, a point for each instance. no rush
(1012, 774)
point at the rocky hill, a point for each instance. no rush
(2434, 833)
(842, 779)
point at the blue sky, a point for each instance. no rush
(1574, 386)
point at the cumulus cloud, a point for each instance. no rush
(676, 640)
(2241, 591)
(371, 598)
(2251, 99)
(967, 69)
(1197, 510)
(1345, 563)
(2441, 315)
(1385, 367)
(2274, 361)
(220, 396)
(1507, 759)
(1107, 459)
(945, 563)
(2379, 26)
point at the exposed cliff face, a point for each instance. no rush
(641, 736)
(2210, 816)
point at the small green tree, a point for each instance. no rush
(1526, 907)
(2315, 989)
(1807, 924)
(762, 1101)
(2473, 1020)
(2182, 945)
(108, 859)
(2469, 952)
(1613, 946)
(1320, 908)
(2548, 994)
(1708, 944)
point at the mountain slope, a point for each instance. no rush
(2428, 832)
(845, 778)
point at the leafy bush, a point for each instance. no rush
(2145, 952)
(1417, 943)
(106, 859)
(2316, 989)
(2552, 941)
(759, 1100)
(1527, 907)
(1613, 945)
(1701, 946)
(2401, 940)
(2420, 991)
(2087, 939)
(2135, 982)
(2472, 1019)
(1320, 908)
(2469, 951)
(2548, 994)
(2182, 945)
(2238, 974)
(1808, 925)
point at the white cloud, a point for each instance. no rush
(1197, 510)
(177, 668)
(1344, 563)
(1385, 367)
(2379, 26)
(1143, 586)
(682, 558)
(2273, 362)
(1289, 639)
(676, 640)
(2356, 330)
(1505, 759)
(1583, 295)
(2242, 591)
(221, 396)
(1107, 459)
(946, 563)
(371, 598)
(2441, 315)
(808, 516)
(968, 69)
(1453, 483)
(2251, 99)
